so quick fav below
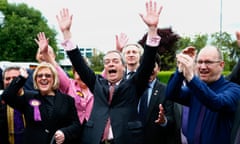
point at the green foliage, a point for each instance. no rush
(224, 41)
(97, 62)
(20, 28)
(163, 76)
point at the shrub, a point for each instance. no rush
(163, 76)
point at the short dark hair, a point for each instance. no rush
(158, 60)
(11, 67)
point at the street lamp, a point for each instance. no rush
(221, 17)
(1, 18)
(220, 31)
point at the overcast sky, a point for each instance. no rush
(96, 22)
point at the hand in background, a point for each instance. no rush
(121, 41)
(65, 21)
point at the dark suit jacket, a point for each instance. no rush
(3, 124)
(127, 129)
(236, 124)
(234, 76)
(64, 116)
(155, 133)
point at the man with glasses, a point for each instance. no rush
(211, 98)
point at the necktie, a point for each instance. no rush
(129, 74)
(185, 112)
(107, 127)
(143, 106)
(199, 125)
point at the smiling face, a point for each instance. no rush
(209, 64)
(132, 54)
(114, 67)
(46, 79)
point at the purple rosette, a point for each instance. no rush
(35, 104)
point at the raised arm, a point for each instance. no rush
(65, 21)
(151, 18)
(121, 41)
(45, 52)
(234, 76)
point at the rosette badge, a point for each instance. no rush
(35, 104)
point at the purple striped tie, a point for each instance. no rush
(199, 125)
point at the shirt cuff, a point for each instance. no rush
(68, 45)
(153, 41)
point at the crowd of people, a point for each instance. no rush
(126, 103)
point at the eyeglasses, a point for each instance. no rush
(44, 75)
(207, 62)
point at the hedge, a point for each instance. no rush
(163, 76)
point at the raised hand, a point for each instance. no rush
(45, 52)
(121, 41)
(65, 21)
(42, 42)
(151, 18)
(186, 64)
(238, 37)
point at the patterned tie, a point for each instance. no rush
(107, 127)
(143, 107)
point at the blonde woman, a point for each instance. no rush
(49, 113)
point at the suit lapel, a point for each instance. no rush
(155, 98)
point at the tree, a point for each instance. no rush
(96, 62)
(20, 28)
(228, 46)
(166, 48)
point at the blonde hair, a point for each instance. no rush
(54, 73)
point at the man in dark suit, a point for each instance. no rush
(235, 134)
(125, 128)
(160, 124)
(234, 76)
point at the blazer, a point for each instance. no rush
(236, 125)
(155, 133)
(126, 127)
(234, 76)
(64, 116)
